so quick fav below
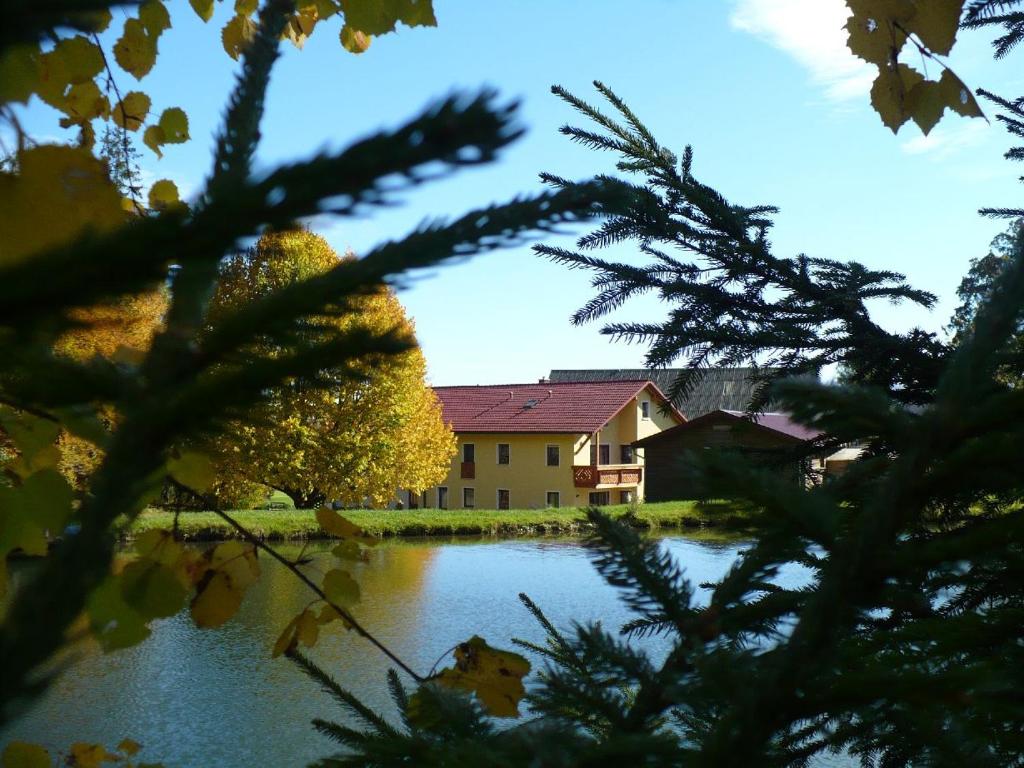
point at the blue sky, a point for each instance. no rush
(775, 107)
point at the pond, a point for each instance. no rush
(200, 697)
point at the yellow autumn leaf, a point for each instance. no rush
(203, 8)
(85, 102)
(154, 138)
(80, 59)
(495, 676)
(875, 28)
(958, 96)
(215, 602)
(193, 470)
(131, 112)
(135, 51)
(237, 34)
(354, 41)
(159, 546)
(336, 525)
(246, 7)
(307, 630)
(350, 550)
(153, 590)
(21, 754)
(377, 17)
(72, 182)
(340, 588)
(129, 747)
(19, 73)
(328, 614)
(163, 195)
(925, 103)
(154, 17)
(286, 640)
(889, 94)
(237, 560)
(935, 22)
(89, 755)
(174, 124)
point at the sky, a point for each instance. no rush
(775, 107)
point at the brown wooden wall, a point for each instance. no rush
(665, 459)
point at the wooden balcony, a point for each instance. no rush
(468, 470)
(607, 476)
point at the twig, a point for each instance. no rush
(345, 615)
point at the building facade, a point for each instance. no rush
(531, 446)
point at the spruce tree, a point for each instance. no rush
(906, 646)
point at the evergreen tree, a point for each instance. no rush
(906, 645)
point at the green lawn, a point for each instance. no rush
(301, 524)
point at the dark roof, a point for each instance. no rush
(576, 408)
(728, 389)
(779, 423)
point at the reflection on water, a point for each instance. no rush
(197, 698)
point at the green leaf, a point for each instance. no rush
(340, 588)
(495, 676)
(354, 41)
(19, 73)
(30, 434)
(174, 124)
(80, 58)
(135, 52)
(336, 525)
(215, 602)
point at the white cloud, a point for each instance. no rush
(952, 135)
(811, 31)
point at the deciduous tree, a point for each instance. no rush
(357, 434)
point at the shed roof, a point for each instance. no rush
(779, 423)
(555, 407)
(718, 388)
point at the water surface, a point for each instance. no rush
(213, 697)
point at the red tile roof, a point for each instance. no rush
(573, 407)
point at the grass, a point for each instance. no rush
(279, 525)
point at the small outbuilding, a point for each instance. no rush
(768, 441)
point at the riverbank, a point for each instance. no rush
(291, 524)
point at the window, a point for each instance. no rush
(593, 454)
(468, 498)
(442, 497)
(552, 456)
(627, 454)
(503, 498)
(645, 409)
(599, 499)
(606, 454)
(503, 453)
(626, 497)
(468, 453)
(551, 502)
(423, 502)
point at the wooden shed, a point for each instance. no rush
(768, 441)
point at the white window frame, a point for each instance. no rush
(497, 497)
(439, 488)
(468, 488)
(558, 454)
(558, 499)
(497, 454)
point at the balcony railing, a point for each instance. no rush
(605, 476)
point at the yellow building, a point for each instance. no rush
(530, 446)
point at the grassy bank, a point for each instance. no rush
(279, 525)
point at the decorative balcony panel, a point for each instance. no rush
(611, 476)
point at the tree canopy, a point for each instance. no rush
(356, 434)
